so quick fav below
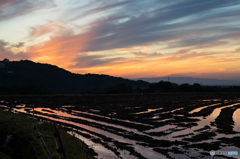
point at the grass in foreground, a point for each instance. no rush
(21, 141)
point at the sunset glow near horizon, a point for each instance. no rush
(125, 38)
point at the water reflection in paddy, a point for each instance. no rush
(199, 109)
(148, 111)
(68, 106)
(236, 119)
(21, 106)
(99, 149)
(200, 124)
(148, 152)
(66, 115)
(111, 118)
(162, 128)
(144, 151)
(172, 111)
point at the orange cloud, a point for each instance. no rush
(61, 50)
(42, 30)
(165, 67)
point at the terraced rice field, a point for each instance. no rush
(155, 126)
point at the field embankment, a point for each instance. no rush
(19, 140)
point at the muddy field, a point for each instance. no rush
(149, 126)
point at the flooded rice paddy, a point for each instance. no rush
(143, 126)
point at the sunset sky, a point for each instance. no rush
(125, 38)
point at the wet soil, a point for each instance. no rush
(141, 126)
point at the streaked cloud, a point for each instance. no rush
(40, 30)
(14, 8)
(142, 36)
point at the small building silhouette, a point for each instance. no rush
(6, 61)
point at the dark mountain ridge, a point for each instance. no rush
(25, 73)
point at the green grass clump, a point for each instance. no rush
(24, 142)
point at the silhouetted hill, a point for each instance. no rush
(28, 75)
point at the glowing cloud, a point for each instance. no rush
(125, 38)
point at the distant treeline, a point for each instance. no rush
(160, 87)
(164, 86)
